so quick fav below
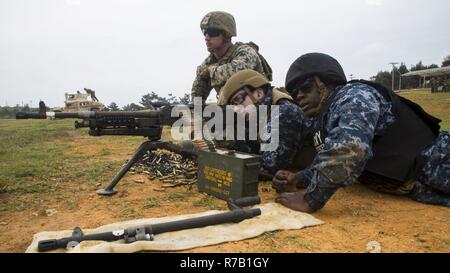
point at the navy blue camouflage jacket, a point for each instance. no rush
(356, 114)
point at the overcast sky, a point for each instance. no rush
(125, 49)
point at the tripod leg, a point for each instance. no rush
(144, 147)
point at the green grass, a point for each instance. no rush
(16, 205)
(151, 202)
(35, 155)
(129, 213)
(30, 153)
(304, 244)
(296, 239)
(25, 132)
(93, 171)
(105, 151)
(33, 187)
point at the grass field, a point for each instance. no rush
(36, 154)
(47, 164)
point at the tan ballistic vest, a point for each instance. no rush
(227, 58)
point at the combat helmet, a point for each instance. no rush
(314, 64)
(246, 79)
(219, 20)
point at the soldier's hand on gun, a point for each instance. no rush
(285, 181)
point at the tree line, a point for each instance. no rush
(385, 77)
(10, 111)
(147, 100)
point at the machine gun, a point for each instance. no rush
(123, 123)
(146, 233)
(241, 170)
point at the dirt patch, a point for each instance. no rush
(353, 217)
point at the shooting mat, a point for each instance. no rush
(273, 217)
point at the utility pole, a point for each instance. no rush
(393, 66)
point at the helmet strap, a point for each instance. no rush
(319, 83)
(222, 52)
(324, 93)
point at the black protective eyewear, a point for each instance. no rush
(305, 87)
(212, 32)
(239, 98)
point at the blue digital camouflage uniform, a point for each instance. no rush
(434, 183)
(293, 129)
(356, 114)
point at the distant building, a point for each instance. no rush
(437, 78)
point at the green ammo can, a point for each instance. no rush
(226, 173)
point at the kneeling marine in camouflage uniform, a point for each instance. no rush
(226, 58)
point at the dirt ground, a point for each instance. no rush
(355, 215)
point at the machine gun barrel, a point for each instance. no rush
(89, 114)
(133, 123)
(146, 232)
(27, 115)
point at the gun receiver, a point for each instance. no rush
(127, 123)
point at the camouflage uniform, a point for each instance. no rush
(433, 186)
(293, 128)
(357, 113)
(244, 57)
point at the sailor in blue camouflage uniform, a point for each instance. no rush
(249, 87)
(363, 132)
